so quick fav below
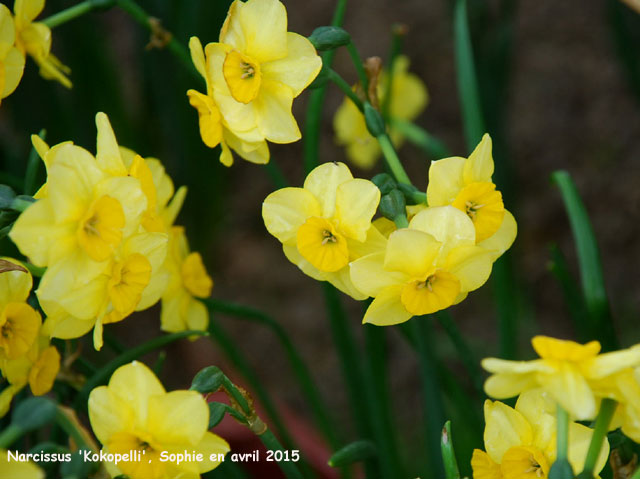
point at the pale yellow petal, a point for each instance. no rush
(15, 286)
(387, 309)
(18, 469)
(209, 445)
(502, 239)
(370, 277)
(471, 265)
(285, 210)
(409, 94)
(447, 224)
(178, 417)
(170, 213)
(572, 391)
(65, 326)
(108, 413)
(356, 203)
(293, 255)
(128, 191)
(341, 279)
(479, 166)
(579, 440)
(273, 113)
(197, 315)
(7, 31)
(301, 65)
(323, 182)
(108, 152)
(505, 428)
(375, 242)
(197, 56)
(445, 180)
(254, 152)
(135, 384)
(13, 68)
(412, 252)
(539, 409)
(264, 26)
(613, 362)
(28, 9)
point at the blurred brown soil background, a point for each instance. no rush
(568, 106)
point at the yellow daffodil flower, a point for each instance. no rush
(575, 375)
(134, 412)
(425, 268)
(326, 224)
(409, 97)
(34, 39)
(18, 469)
(249, 143)
(11, 59)
(19, 322)
(258, 68)
(520, 443)
(466, 184)
(37, 368)
(189, 280)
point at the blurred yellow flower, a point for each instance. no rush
(425, 268)
(466, 184)
(258, 68)
(188, 281)
(34, 39)
(134, 412)
(409, 97)
(326, 224)
(521, 443)
(574, 375)
(214, 130)
(18, 469)
(11, 59)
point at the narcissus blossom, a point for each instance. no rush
(134, 412)
(18, 469)
(11, 59)
(34, 39)
(188, 281)
(326, 224)
(409, 97)
(466, 184)
(427, 267)
(520, 443)
(258, 68)
(248, 143)
(573, 374)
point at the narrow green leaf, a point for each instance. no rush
(352, 453)
(448, 453)
(591, 275)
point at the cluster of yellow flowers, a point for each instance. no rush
(103, 228)
(520, 442)
(252, 75)
(20, 36)
(408, 97)
(135, 413)
(25, 354)
(446, 251)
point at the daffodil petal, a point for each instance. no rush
(273, 113)
(178, 417)
(285, 210)
(28, 10)
(264, 26)
(447, 224)
(412, 252)
(370, 277)
(502, 239)
(13, 69)
(293, 255)
(579, 440)
(108, 413)
(505, 428)
(445, 180)
(572, 391)
(197, 56)
(471, 265)
(323, 182)
(108, 152)
(479, 165)
(15, 286)
(301, 65)
(356, 203)
(387, 309)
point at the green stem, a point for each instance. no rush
(607, 408)
(239, 361)
(103, 374)
(175, 47)
(76, 11)
(392, 159)
(357, 62)
(378, 398)
(289, 468)
(469, 360)
(467, 80)
(346, 89)
(10, 435)
(433, 408)
(401, 221)
(428, 143)
(33, 163)
(562, 439)
(311, 137)
(300, 369)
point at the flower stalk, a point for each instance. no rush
(607, 409)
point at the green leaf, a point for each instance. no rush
(208, 380)
(591, 275)
(33, 413)
(357, 451)
(329, 37)
(448, 453)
